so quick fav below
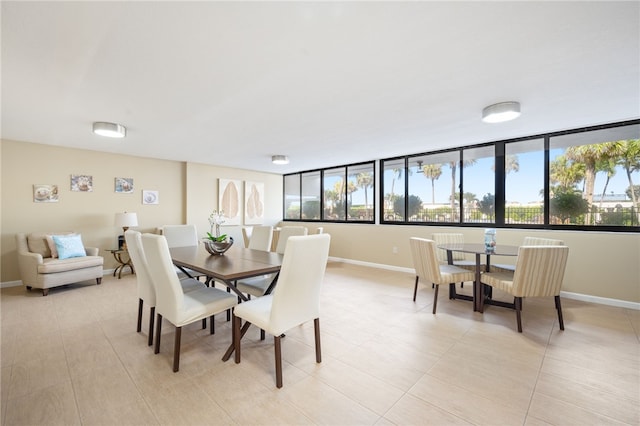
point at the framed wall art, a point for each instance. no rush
(124, 185)
(82, 183)
(229, 200)
(253, 203)
(150, 197)
(43, 193)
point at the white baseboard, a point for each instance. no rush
(575, 296)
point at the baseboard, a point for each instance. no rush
(575, 296)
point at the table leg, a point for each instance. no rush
(477, 287)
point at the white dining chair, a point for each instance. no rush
(172, 303)
(428, 268)
(294, 301)
(539, 272)
(286, 232)
(246, 236)
(183, 236)
(146, 290)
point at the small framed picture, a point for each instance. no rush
(82, 183)
(124, 185)
(45, 193)
(150, 197)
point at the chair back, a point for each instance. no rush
(146, 290)
(261, 237)
(319, 230)
(180, 235)
(448, 238)
(285, 233)
(169, 295)
(534, 241)
(425, 261)
(246, 236)
(296, 298)
(539, 271)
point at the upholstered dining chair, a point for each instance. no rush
(285, 233)
(183, 236)
(459, 258)
(528, 241)
(246, 236)
(427, 266)
(296, 299)
(539, 273)
(172, 303)
(146, 290)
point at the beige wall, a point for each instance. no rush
(188, 193)
(601, 264)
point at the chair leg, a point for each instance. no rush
(176, 350)
(435, 298)
(152, 315)
(278, 356)
(316, 327)
(559, 309)
(415, 288)
(229, 310)
(158, 333)
(235, 336)
(518, 305)
(212, 325)
(140, 303)
(262, 334)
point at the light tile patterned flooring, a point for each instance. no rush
(74, 357)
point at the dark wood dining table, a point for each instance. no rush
(478, 250)
(235, 264)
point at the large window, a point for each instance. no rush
(595, 177)
(578, 179)
(345, 193)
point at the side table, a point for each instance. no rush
(122, 262)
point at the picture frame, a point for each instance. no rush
(150, 197)
(44, 193)
(81, 183)
(229, 200)
(124, 185)
(253, 203)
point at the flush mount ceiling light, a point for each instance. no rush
(503, 111)
(279, 159)
(110, 130)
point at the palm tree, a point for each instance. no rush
(609, 167)
(454, 166)
(630, 160)
(432, 172)
(565, 173)
(396, 173)
(589, 155)
(365, 181)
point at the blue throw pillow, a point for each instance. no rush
(69, 246)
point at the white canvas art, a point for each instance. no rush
(253, 203)
(229, 200)
(150, 197)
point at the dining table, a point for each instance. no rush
(235, 264)
(479, 250)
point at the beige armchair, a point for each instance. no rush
(40, 269)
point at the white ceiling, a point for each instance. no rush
(326, 83)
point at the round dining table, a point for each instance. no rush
(478, 249)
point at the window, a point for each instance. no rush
(478, 183)
(360, 184)
(311, 196)
(292, 196)
(393, 172)
(524, 182)
(594, 176)
(577, 179)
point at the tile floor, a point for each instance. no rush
(74, 357)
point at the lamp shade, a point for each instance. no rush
(503, 111)
(125, 220)
(279, 159)
(110, 130)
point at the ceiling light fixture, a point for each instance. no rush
(279, 159)
(500, 112)
(110, 130)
